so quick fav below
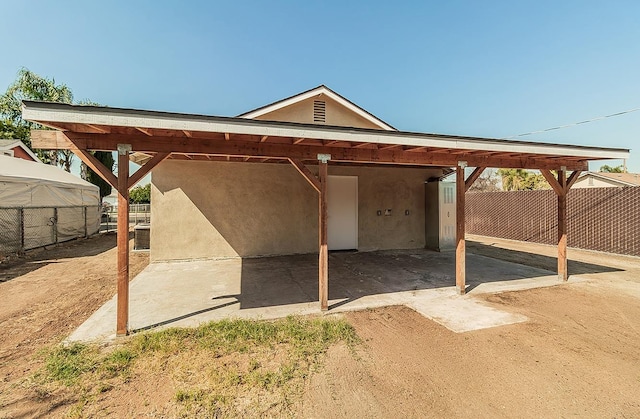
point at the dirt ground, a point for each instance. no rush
(45, 296)
(578, 355)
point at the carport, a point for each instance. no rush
(161, 135)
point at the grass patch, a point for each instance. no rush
(228, 368)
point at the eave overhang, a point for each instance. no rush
(185, 130)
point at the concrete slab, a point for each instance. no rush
(189, 293)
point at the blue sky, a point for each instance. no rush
(479, 68)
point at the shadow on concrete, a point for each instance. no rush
(294, 279)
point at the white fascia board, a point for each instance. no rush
(316, 92)
(275, 129)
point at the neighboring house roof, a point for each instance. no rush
(10, 144)
(623, 179)
(316, 91)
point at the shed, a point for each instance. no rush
(34, 197)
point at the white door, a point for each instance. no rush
(342, 212)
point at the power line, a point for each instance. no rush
(574, 124)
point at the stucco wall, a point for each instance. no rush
(228, 209)
(302, 112)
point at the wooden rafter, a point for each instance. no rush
(100, 129)
(143, 143)
(145, 131)
(188, 134)
(298, 140)
(264, 138)
(227, 137)
(413, 149)
(364, 145)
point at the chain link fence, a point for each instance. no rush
(28, 228)
(602, 219)
(138, 214)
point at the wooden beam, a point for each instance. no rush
(298, 140)
(562, 228)
(227, 137)
(187, 133)
(122, 320)
(145, 131)
(553, 182)
(572, 178)
(96, 165)
(460, 228)
(306, 173)
(323, 258)
(142, 143)
(146, 168)
(473, 177)
(264, 138)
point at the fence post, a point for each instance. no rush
(21, 229)
(55, 224)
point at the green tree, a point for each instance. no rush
(521, 180)
(30, 86)
(106, 157)
(611, 169)
(140, 194)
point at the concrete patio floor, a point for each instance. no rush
(192, 292)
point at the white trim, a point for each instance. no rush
(124, 118)
(321, 90)
(19, 143)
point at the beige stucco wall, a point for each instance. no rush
(228, 209)
(302, 112)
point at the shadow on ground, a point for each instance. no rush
(535, 260)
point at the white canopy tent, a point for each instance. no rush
(42, 204)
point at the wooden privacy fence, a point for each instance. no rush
(602, 219)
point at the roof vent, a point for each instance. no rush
(319, 111)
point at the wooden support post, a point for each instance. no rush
(460, 220)
(562, 227)
(323, 262)
(561, 186)
(122, 321)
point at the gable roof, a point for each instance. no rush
(624, 179)
(322, 89)
(13, 143)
